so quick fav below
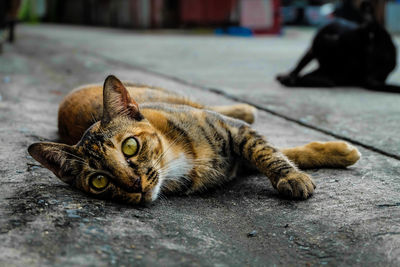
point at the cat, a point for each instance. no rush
(349, 54)
(169, 144)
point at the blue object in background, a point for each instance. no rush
(393, 17)
(319, 15)
(234, 31)
(289, 14)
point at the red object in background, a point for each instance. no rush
(135, 16)
(277, 20)
(157, 13)
(261, 16)
(264, 13)
(207, 11)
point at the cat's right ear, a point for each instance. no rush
(367, 11)
(55, 157)
(117, 101)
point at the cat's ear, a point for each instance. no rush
(117, 101)
(367, 11)
(56, 157)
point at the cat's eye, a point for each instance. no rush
(130, 147)
(98, 182)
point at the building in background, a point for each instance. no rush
(256, 15)
(243, 17)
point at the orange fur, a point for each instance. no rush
(182, 146)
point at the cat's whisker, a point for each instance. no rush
(170, 145)
(183, 179)
(177, 164)
(201, 162)
(162, 198)
(73, 155)
(93, 117)
(76, 158)
(161, 157)
(177, 139)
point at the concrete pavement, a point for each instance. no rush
(353, 218)
(246, 69)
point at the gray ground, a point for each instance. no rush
(353, 218)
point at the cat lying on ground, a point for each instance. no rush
(348, 54)
(169, 144)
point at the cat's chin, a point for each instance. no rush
(148, 197)
(151, 195)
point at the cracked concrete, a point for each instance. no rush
(353, 218)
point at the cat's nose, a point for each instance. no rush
(137, 185)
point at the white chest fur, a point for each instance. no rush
(177, 169)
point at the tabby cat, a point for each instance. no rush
(168, 145)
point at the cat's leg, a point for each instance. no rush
(290, 79)
(334, 154)
(283, 174)
(376, 85)
(242, 112)
(317, 78)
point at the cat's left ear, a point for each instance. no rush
(117, 101)
(58, 158)
(367, 11)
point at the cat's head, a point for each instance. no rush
(117, 158)
(368, 13)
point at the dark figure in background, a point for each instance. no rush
(349, 54)
(8, 16)
(348, 10)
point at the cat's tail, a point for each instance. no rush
(242, 112)
(334, 154)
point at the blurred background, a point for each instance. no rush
(234, 17)
(218, 52)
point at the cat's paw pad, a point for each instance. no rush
(339, 153)
(296, 185)
(286, 79)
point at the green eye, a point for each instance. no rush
(130, 146)
(99, 182)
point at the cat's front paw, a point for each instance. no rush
(296, 185)
(287, 79)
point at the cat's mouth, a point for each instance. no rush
(152, 194)
(146, 198)
(139, 197)
(142, 191)
(142, 198)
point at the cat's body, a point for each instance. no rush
(170, 145)
(84, 106)
(349, 54)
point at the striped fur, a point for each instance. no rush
(184, 146)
